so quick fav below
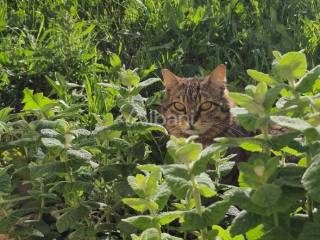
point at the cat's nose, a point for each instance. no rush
(191, 124)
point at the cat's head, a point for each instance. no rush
(196, 106)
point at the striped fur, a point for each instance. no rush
(192, 93)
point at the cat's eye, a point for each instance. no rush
(206, 106)
(179, 106)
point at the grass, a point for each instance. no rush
(76, 38)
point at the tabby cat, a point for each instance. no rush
(199, 106)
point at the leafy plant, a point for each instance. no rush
(278, 185)
(82, 155)
(187, 181)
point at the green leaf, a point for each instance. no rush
(37, 101)
(290, 198)
(145, 72)
(83, 233)
(292, 65)
(5, 181)
(289, 175)
(293, 123)
(261, 90)
(43, 123)
(166, 236)
(274, 234)
(277, 55)
(226, 168)
(255, 233)
(241, 199)
(188, 153)
(246, 173)
(178, 179)
(244, 222)
(278, 142)
(162, 196)
(311, 179)
(140, 204)
(206, 155)
(136, 90)
(224, 234)
(79, 154)
(52, 143)
(261, 77)
(137, 127)
(246, 119)
(71, 217)
(50, 133)
(311, 231)
(247, 102)
(168, 217)
(153, 178)
(47, 169)
(193, 221)
(206, 191)
(266, 195)
(146, 186)
(151, 234)
(206, 186)
(81, 132)
(133, 107)
(138, 184)
(141, 222)
(214, 213)
(129, 78)
(307, 82)
(257, 170)
(249, 144)
(5, 113)
(115, 61)
(271, 96)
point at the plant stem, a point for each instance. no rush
(42, 203)
(265, 133)
(309, 206)
(197, 198)
(309, 202)
(153, 214)
(276, 219)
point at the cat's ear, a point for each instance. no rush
(170, 80)
(218, 77)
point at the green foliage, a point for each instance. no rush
(65, 164)
(273, 191)
(64, 45)
(81, 156)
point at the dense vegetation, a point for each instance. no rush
(75, 38)
(82, 153)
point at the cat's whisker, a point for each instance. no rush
(235, 132)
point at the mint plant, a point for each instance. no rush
(87, 170)
(153, 196)
(272, 186)
(278, 184)
(187, 181)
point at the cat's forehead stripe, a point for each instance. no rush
(192, 92)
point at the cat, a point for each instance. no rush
(199, 106)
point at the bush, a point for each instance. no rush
(68, 168)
